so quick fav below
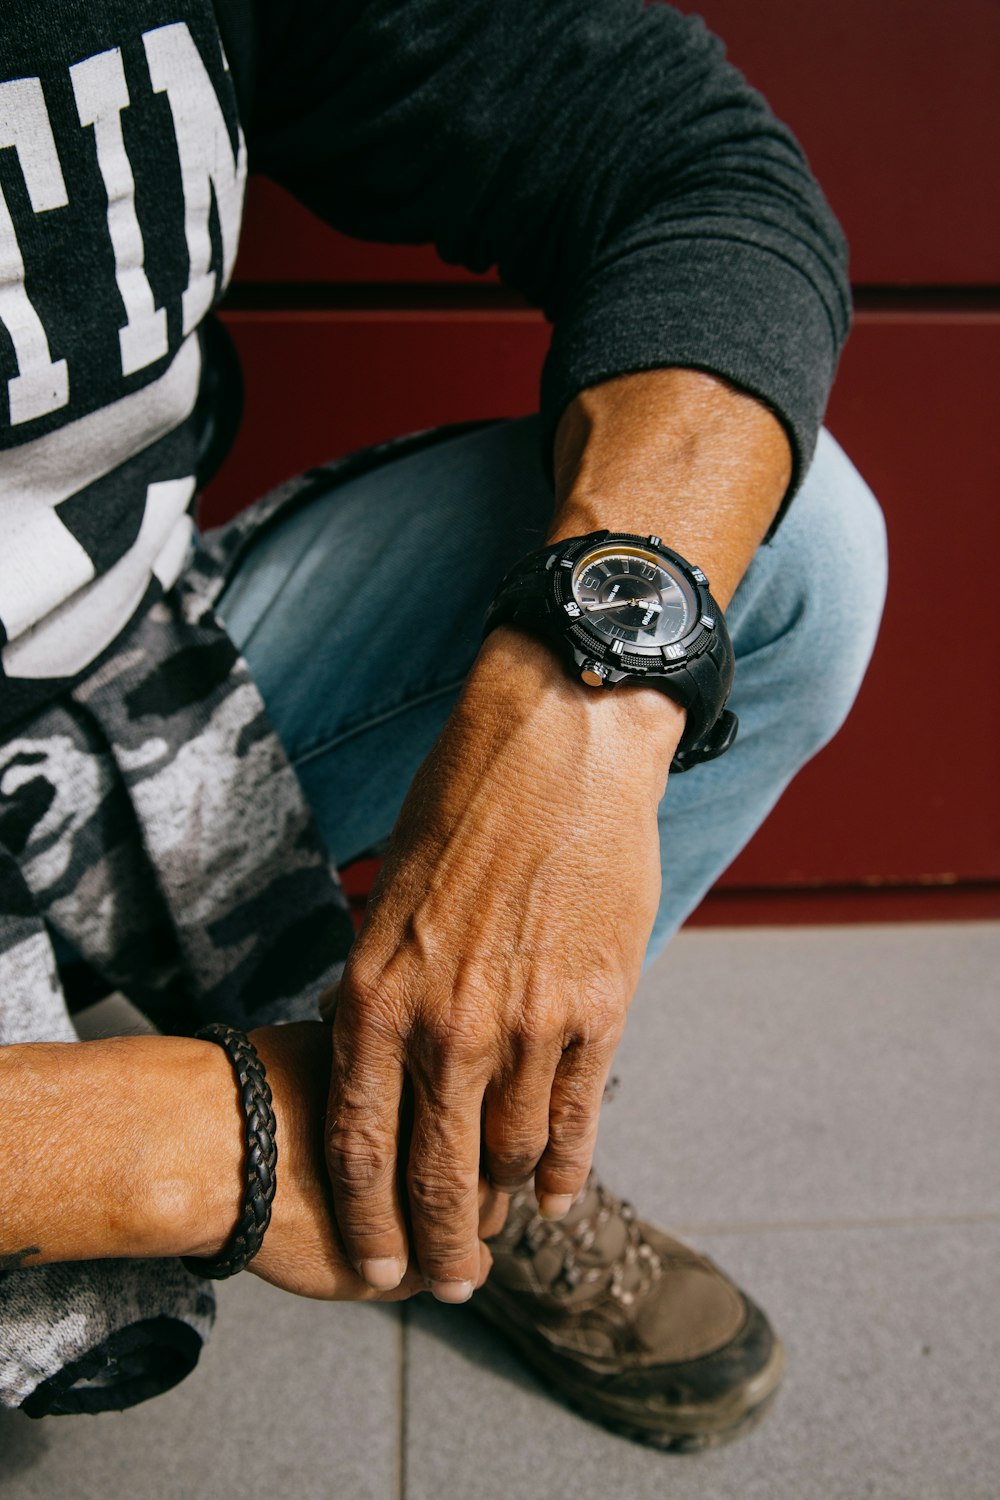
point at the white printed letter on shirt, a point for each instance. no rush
(41, 384)
(101, 94)
(207, 160)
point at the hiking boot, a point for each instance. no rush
(628, 1325)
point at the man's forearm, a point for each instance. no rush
(120, 1148)
(678, 454)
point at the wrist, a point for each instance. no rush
(679, 453)
(194, 1177)
(515, 666)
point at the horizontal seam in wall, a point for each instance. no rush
(491, 297)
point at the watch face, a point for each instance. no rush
(627, 593)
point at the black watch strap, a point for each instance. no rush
(695, 686)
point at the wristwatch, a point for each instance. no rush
(622, 608)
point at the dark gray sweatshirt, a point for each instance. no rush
(601, 153)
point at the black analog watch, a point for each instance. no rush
(621, 608)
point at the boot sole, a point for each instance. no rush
(677, 1429)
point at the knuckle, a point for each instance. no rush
(573, 1121)
(466, 1044)
(568, 1155)
(360, 985)
(517, 1160)
(577, 1006)
(358, 1166)
(603, 1020)
(541, 1024)
(453, 1044)
(515, 1154)
(369, 1001)
(514, 1167)
(439, 1200)
(539, 1035)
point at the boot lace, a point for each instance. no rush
(587, 1267)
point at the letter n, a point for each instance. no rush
(209, 165)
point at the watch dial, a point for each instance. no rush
(631, 595)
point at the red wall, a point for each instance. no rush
(344, 343)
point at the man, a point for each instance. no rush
(153, 825)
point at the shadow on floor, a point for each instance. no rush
(23, 1443)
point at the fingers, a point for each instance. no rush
(485, 1264)
(516, 1118)
(442, 1180)
(493, 1207)
(362, 1147)
(574, 1115)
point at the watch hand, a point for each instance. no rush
(594, 609)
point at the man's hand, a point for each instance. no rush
(502, 945)
(507, 928)
(302, 1251)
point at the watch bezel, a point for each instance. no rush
(560, 568)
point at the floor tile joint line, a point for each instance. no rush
(403, 1434)
(916, 1221)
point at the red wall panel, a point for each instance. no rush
(319, 384)
(895, 103)
(284, 242)
(908, 792)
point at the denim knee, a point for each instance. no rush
(806, 617)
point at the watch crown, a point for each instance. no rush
(593, 673)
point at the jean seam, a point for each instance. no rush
(323, 747)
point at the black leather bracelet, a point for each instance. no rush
(261, 1156)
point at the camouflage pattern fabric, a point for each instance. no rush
(150, 819)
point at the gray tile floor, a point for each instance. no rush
(819, 1110)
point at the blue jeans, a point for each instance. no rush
(361, 613)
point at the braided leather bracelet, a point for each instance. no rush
(261, 1157)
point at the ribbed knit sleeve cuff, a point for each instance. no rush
(101, 1335)
(704, 304)
(135, 1364)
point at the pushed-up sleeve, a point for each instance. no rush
(601, 153)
